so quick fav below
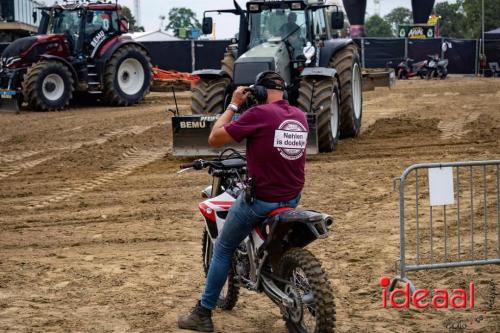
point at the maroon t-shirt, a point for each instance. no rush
(276, 136)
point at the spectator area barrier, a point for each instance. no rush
(463, 56)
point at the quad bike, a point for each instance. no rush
(79, 49)
(272, 259)
(408, 68)
(436, 67)
(323, 74)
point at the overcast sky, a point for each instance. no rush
(226, 24)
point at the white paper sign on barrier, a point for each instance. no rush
(441, 190)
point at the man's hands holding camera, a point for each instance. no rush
(219, 136)
(239, 97)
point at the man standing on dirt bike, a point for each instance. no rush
(276, 170)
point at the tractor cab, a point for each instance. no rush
(294, 22)
(85, 26)
(280, 35)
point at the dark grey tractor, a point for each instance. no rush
(299, 40)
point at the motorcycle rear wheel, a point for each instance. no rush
(230, 292)
(314, 306)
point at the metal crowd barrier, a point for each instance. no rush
(465, 232)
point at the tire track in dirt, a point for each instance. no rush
(12, 170)
(9, 158)
(132, 159)
(455, 129)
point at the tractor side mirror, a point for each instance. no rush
(208, 24)
(124, 25)
(35, 16)
(337, 20)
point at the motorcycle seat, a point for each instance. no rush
(316, 222)
(290, 215)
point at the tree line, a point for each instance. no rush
(179, 19)
(461, 19)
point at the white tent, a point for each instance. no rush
(152, 36)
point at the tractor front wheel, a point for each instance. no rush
(128, 76)
(346, 62)
(209, 94)
(48, 86)
(320, 95)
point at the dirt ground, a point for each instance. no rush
(99, 234)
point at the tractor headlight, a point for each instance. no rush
(10, 61)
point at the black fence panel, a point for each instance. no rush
(3, 46)
(419, 49)
(175, 55)
(461, 56)
(380, 53)
(208, 54)
(492, 50)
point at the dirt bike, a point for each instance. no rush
(272, 259)
(437, 67)
(408, 69)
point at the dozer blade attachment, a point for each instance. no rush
(9, 101)
(190, 136)
(378, 77)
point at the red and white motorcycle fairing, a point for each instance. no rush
(215, 210)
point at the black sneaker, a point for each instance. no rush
(200, 319)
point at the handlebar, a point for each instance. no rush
(187, 165)
(197, 165)
(217, 164)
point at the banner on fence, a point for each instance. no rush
(419, 31)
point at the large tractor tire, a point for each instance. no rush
(227, 63)
(320, 95)
(208, 95)
(346, 62)
(128, 76)
(48, 86)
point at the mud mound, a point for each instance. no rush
(402, 127)
(484, 128)
(100, 234)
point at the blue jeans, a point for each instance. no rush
(241, 220)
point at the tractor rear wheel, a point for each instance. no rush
(320, 95)
(48, 86)
(346, 62)
(128, 76)
(208, 95)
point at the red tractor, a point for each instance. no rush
(80, 48)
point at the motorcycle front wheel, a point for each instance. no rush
(313, 310)
(429, 75)
(444, 74)
(230, 292)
